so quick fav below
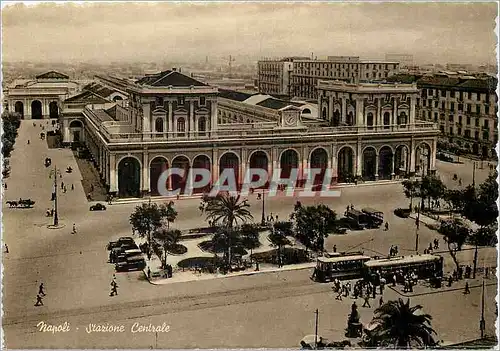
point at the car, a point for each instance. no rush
(98, 207)
(113, 245)
(126, 240)
(340, 230)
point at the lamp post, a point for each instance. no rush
(316, 329)
(54, 173)
(474, 174)
(482, 322)
(417, 225)
(263, 219)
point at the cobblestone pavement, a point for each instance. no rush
(272, 310)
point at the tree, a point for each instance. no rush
(455, 234)
(148, 218)
(313, 224)
(398, 325)
(228, 211)
(170, 213)
(431, 187)
(278, 240)
(481, 207)
(167, 238)
(411, 190)
(10, 122)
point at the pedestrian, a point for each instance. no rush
(64, 190)
(386, 226)
(114, 290)
(5, 185)
(62, 185)
(334, 248)
(460, 182)
(467, 290)
(40, 290)
(394, 280)
(74, 229)
(276, 218)
(39, 301)
(6, 249)
(149, 273)
(72, 187)
(28, 141)
(339, 295)
(380, 301)
(367, 301)
(91, 187)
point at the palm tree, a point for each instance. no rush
(399, 326)
(167, 238)
(278, 240)
(227, 210)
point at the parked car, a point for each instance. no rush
(131, 263)
(98, 207)
(113, 245)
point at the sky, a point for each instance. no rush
(106, 32)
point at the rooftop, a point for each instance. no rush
(234, 95)
(87, 97)
(169, 78)
(52, 75)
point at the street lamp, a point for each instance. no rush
(482, 322)
(417, 225)
(54, 173)
(263, 219)
(316, 330)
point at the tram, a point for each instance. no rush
(341, 267)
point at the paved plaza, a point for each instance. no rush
(267, 309)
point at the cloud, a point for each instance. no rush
(151, 31)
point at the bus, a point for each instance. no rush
(375, 217)
(425, 266)
(341, 267)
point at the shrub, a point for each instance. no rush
(402, 212)
(202, 262)
(289, 256)
(177, 249)
(285, 227)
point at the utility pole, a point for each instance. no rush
(474, 174)
(316, 329)
(475, 263)
(482, 322)
(417, 225)
(54, 174)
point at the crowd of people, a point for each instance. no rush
(361, 289)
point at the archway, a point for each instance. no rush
(345, 167)
(336, 118)
(36, 110)
(159, 125)
(386, 156)
(230, 161)
(117, 98)
(401, 161)
(306, 110)
(423, 159)
(157, 166)
(53, 110)
(319, 160)
(289, 160)
(369, 120)
(19, 108)
(202, 126)
(179, 182)
(259, 159)
(129, 177)
(387, 120)
(202, 162)
(76, 128)
(369, 169)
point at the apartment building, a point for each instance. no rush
(465, 109)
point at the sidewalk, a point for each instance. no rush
(198, 196)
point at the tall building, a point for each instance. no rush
(298, 77)
(465, 109)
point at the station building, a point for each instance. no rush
(169, 120)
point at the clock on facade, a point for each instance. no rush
(290, 120)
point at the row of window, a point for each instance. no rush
(451, 118)
(314, 65)
(467, 133)
(452, 93)
(460, 106)
(181, 125)
(180, 101)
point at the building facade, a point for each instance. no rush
(390, 140)
(274, 76)
(465, 109)
(176, 122)
(41, 97)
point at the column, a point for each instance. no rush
(213, 115)
(432, 166)
(146, 119)
(243, 165)
(145, 171)
(395, 113)
(412, 157)
(360, 120)
(215, 165)
(412, 110)
(376, 165)
(344, 110)
(330, 107)
(113, 174)
(380, 119)
(26, 107)
(393, 170)
(304, 165)
(170, 122)
(274, 161)
(190, 128)
(334, 163)
(359, 159)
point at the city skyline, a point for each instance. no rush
(103, 32)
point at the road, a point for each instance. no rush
(271, 310)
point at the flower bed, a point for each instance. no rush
(289, 256)
(198, 262)
(207, 246)
(177, 249)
